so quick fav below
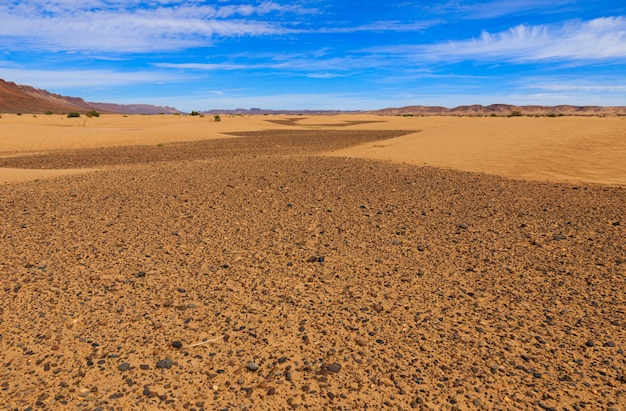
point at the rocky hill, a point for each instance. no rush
(16, 98)
(503, 110)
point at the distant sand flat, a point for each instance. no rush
(563, 149)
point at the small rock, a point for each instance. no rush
(334, 367)
(378, 308)
(252, 366)
(177, 344)
(463, 226)
(590, 343)
(141, 274)
(123, 366)
(609, 344)
(166, 363)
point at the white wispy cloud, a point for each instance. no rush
(599, 84)
(66, 79)
(596, 88)
(314, 64)
(130, 26)
(498, 8)
(203, 66)
(602, 38)
(381, 26)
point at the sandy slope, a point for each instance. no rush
(572, 149)
(575, 149)
(258, 273)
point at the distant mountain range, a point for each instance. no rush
(15, 98)
(503, 110)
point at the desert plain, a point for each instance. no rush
(326, 263)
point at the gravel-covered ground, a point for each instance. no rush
(254, 274)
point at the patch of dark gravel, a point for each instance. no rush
(379, 323)
(274, 142)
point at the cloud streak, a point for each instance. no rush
(598, 39)
(124, 26)
(63, 79)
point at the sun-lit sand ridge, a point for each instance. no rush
(575, 149)
(183, 270)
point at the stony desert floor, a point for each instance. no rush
(338, 263)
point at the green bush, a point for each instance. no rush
(217, 118)
(195, 113)
(92, 113)
(73, 114)
(49, 112)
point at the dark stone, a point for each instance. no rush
(166, 363)
(335, 367)
(252, 366)
(177, 344)
(123, 366)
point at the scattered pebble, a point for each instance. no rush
(177, 344)
(166, 363)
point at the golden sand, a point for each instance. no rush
(563, 149)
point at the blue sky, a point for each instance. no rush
(318, 54)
